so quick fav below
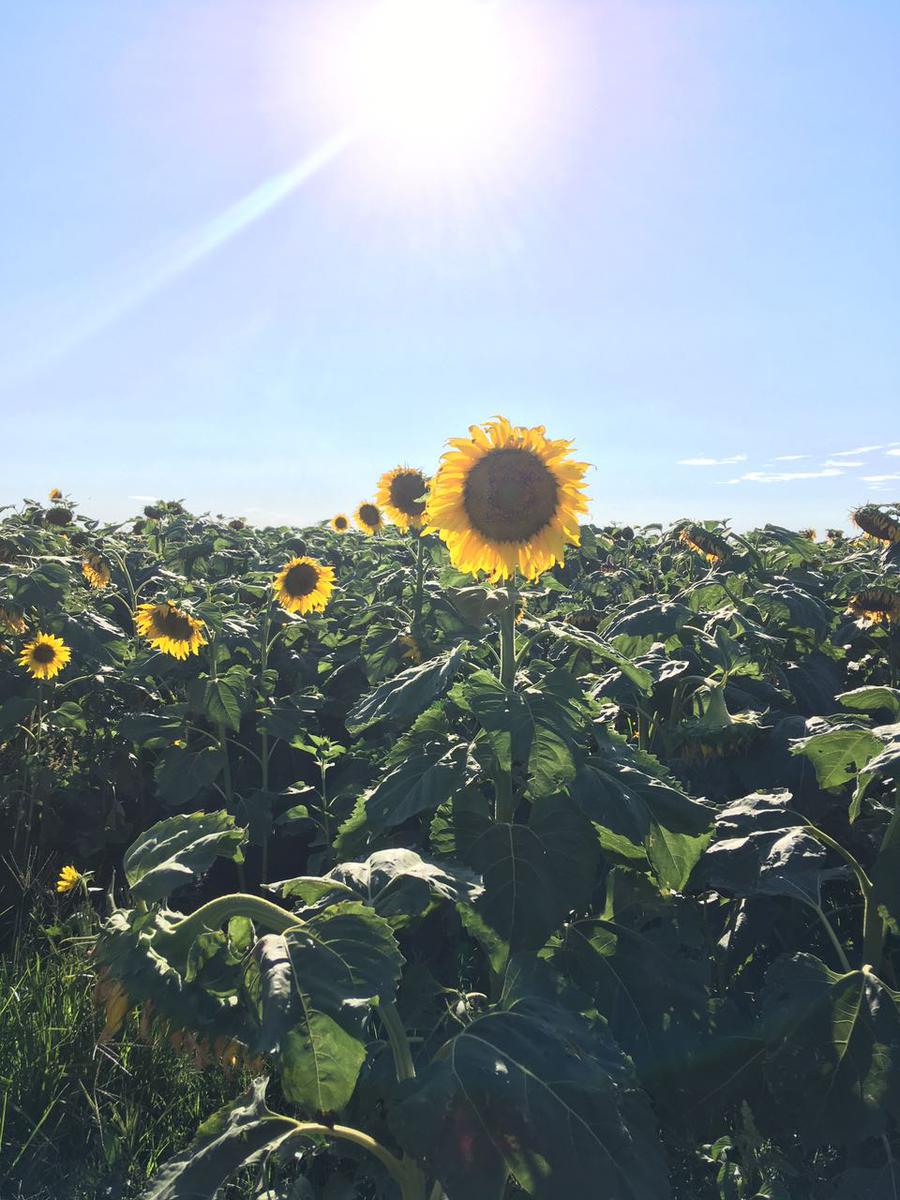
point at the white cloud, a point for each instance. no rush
(711, 462)
(857, 450)
(144, 499)
(843, 463)
(896, 452)
(784, 476)
(881, 478)
(790, 457)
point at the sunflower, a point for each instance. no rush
(95, 571)
(507, 498)
(169, 629)
(11, 621)
(58, 516)
(368, 518)
(340, 523)
(54, 494)
(877, 605)
(876, 523)
(410, 649)
(809, 534)
(44, 656)
(69, 878)
(401, 493)
(304, 585)
(712, 547)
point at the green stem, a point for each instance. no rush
(405, 1172)
(504, 803)
(174, 943)
(393, 1026)
(873, 926)
(420, 582)
(832, 937)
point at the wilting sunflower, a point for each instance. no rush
(876, 523)
(340, 523)
(304, 585)
(11, 621)
(169, 629)
(410, 649)
(44, 656)
(368, 518)
(401, 493)
(55, 494)
(507, 499)
(95, 571)
(713, 548)
(69, 878)
(877, 605)
(59, 516)
(809, 534)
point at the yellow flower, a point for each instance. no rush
(507, 498)
(95, 571)
(44, 656)
(411, 650)
(877, 524)
(55, 494)
(304, 585)
(401, 493)
(69, 878)
(809, 534)
(712, 547)
(877, 605)
(11, 621)
(368, 518)
(340, 523)
(170, 629)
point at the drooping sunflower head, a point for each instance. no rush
(169, 629)
(54, 494)
(368, 517)
(69, 878)
(340, 523)
(712, 547)
(44, 656)
(304, 585)
(410, 650)
(95, 570)
(401, 493)
(809, 534)
(878, 605)
(59, 516)
(507, 499)
(876, 523)
(11, 621)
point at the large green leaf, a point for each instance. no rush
(534, 875)
(601, 651)
(536, 1094)
(310, 989)
(182, 773)
(401, 699)
(833, 1050)
(424, 781)
(839, 754)
(871, 699)
(239, 1135)
(178, 850)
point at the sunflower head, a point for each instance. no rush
(11, 621)
(507, 499)
(237, 523)
(340, 523)
(410, 649)
(304, 585)
(876, 523)
(712, 547)
(69, 878)
(368, 517)
(877, 605)
(44, 656)
(401, 493)
(59, 516)
(809, 534)
(54, 494)
(95, 570)
(169, 629)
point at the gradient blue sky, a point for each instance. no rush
(693, 253)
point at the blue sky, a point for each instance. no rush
(687, 249)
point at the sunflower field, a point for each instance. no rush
(480, 852)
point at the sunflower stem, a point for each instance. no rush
(420, 581)
(264, 733)
(504, 806)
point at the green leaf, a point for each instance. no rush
(310, 989)
(402, 886)
(181, 773)
(221, 703)
(833, 1051)
(13, 712)
(155, 730)
(178, 850)
(402, 698)
(600, 650)
(421, 784)
(534, 875)
(459, 822)
(536, 1094)
(69, 717)
(839, 754)
(871, 699)
(239, 1135)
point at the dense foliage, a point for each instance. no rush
(585, 887)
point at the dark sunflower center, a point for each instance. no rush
(301, 580)
(510, 495)
(175, 625)
(368, 514)
(407, 491)
(43, 654)
(340, 522)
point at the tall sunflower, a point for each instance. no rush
(876, 523)
(878, 605)
(702, 541)
(507, 499)
(340, 523)
(368, 517)
(95, 570)
(169, 628)
(55, 494)
(44, 656)
(304, 585)
(401, 493)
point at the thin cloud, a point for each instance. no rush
(785, 476)
(881, 478)
(895, 453)
(857, 450)
(712, 462)
(144, 499)
(843, 463)
(791, 457)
